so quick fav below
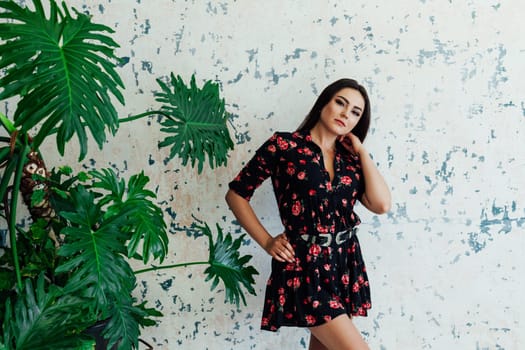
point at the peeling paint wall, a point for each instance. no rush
(445, 79)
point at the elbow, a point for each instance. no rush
(379, 205)
(386, 205)
(384, 208)
(232, 198)
(228, 197)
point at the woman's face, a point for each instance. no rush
(342, 113)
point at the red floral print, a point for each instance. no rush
(334, 304)
(346, 180)
(310, 320)
(283, 145)
(315, 250)
(360, 279)
(345, 279)
(296, 208)
(294, 282)
(324, 281)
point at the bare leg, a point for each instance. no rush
(339, 334)
(315, 344)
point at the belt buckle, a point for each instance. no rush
(322, 239)
(328, 239)
(325, 239)
(343, 236)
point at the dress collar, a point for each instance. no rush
(305, 135)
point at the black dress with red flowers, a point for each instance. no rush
(328, 277)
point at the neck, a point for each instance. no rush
(323, 139)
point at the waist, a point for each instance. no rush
(327, 239)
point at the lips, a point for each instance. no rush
(340, 122)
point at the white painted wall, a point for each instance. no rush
(446, 80)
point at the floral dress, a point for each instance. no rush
(328, 277)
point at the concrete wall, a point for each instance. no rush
(446, 80)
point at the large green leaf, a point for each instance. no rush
(123, 325)
(42, 319)
(94, 253)
(227, 265)
(196, 123)
(62, 68)
(131, 208)
(103, 217)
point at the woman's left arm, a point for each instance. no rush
(376, 196)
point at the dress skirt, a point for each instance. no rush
(327, 279)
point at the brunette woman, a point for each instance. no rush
(318, 172)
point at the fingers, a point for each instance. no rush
(281, 250)
(351, 142)
(347, 143)
(356, 142)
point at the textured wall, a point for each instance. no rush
(446, 82)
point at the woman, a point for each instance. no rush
(318, 277)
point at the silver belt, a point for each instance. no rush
(325, 239)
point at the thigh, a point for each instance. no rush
(339, 334)
(315, 344)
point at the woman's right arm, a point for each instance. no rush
(278, 247)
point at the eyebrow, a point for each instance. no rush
(348, 102)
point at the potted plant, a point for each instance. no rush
(70, 268)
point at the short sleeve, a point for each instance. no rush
(259, 168)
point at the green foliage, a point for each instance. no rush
(196, 121)
(227, 265)
(102, 221)
(60, 67)
(124, 322)
(101, 224)
(7, 279)
(93, 250)
(63, 70)
(43, 319)
(138, 216)
(97, 218)
(36, 252)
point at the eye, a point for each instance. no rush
(39, 187)
(31, 168)
(339, 102)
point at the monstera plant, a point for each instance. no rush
(68, 266)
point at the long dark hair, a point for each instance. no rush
(361, 129)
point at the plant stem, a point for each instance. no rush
(124, 120)
(12, 214)
(138, 116)
(8, 125)
(155, 268)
